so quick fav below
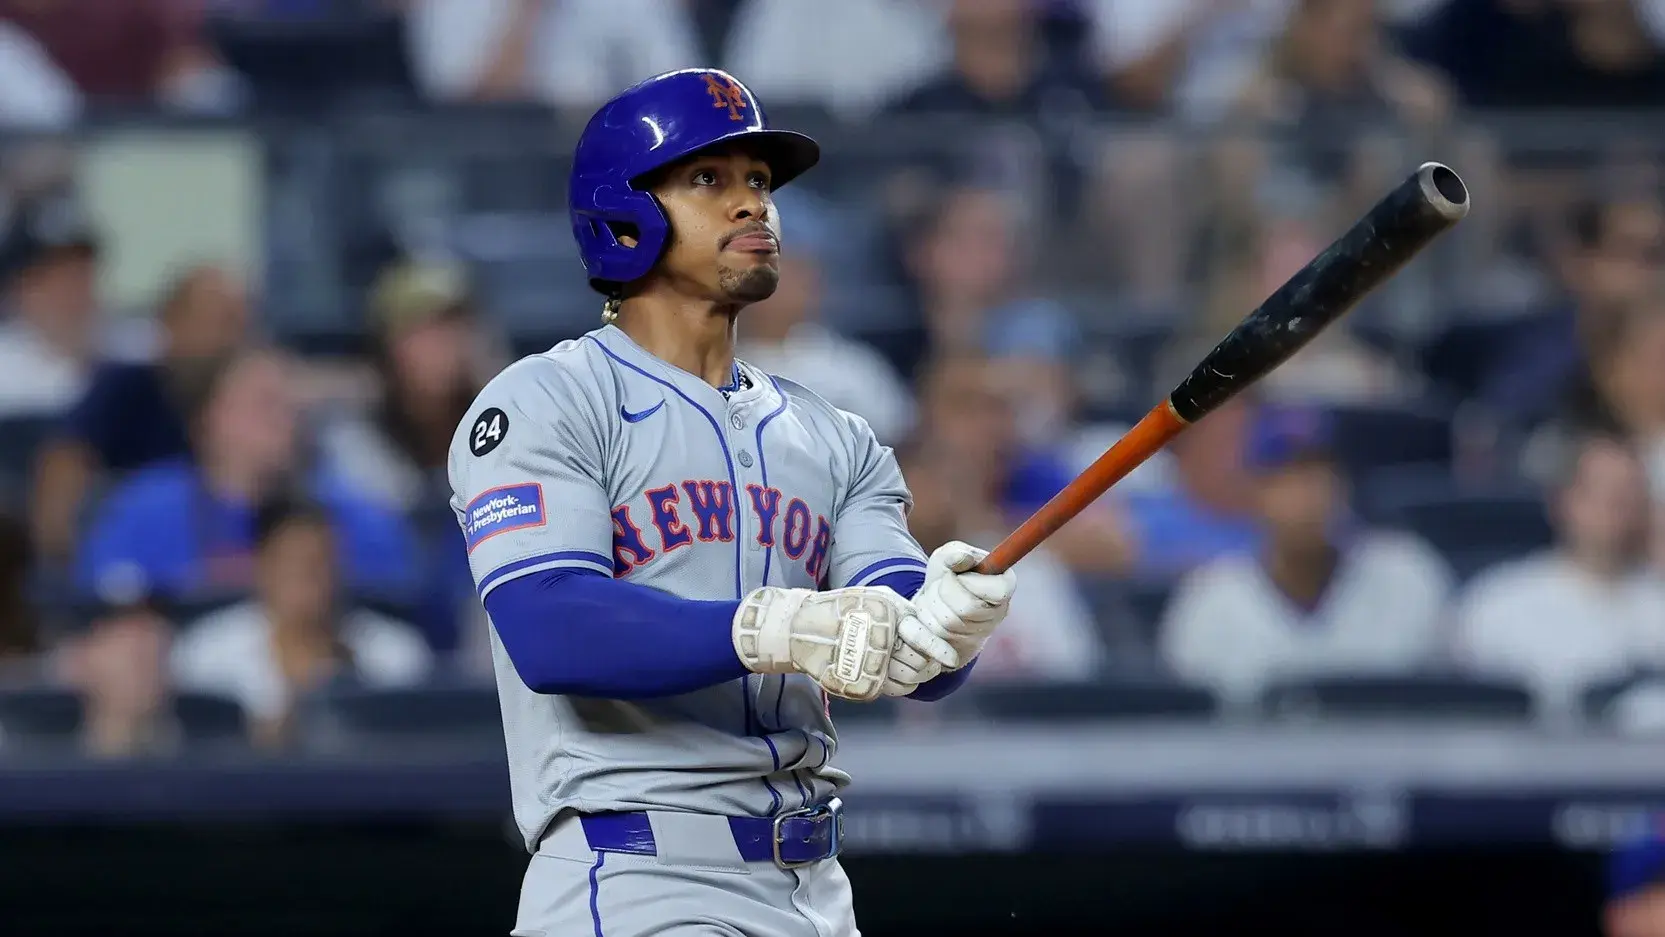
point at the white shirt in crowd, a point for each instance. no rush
(35, 93)
(229, 653)
(582, 51)
(35, 380)
(850, 56)
(1049, 631)
(1229, 627)
(1227, 41)
(356, 449)
(1546, 622)
(848, 374)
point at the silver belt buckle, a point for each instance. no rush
(833, 809)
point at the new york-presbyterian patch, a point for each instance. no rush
(502, 509)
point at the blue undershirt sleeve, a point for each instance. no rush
(577, 632)
(907, 584)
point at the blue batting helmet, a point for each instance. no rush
(650, 125)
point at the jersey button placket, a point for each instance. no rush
(748, 463)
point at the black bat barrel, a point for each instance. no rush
(1418, 210)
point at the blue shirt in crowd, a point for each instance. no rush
(163, 533)
(1174, 534)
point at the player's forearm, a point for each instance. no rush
(908, 583)
(579, 633)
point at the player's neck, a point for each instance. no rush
(696, 336)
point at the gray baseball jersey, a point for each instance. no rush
(597, 455)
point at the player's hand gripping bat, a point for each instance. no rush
(1418, 210)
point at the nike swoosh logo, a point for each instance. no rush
(639, 417)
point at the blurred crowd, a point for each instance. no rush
(1465, 479)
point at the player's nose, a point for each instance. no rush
(749, 204)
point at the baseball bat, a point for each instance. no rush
(1394, 230)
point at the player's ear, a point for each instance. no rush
(625, 233)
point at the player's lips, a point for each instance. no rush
(761, 243)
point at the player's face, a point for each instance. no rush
(725, 237)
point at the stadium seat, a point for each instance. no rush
(1396, 697)
(1125, 615)
(1149, 601)
(449, 715)
(38, 719)
(1633, 702)
(1119, 700)
(209, 721)
(1471, 527)
(1370, 437)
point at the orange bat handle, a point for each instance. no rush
(1146, 437)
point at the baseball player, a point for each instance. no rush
(682, 557)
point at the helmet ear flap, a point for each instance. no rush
(602, 232)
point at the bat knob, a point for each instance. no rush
(1444, 190)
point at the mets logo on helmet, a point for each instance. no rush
(726, 93)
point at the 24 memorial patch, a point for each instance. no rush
(488, 432)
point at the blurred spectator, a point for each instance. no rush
(119, 668)
(1251, 256)
(1209, 511)
(181, 530)
(1588, 610)
(133, 412)
(431, 361)
(428, 358)
(967, 417)
(133, 51)
(35, 94)
(1337, 100)
(1322, 595)
(1332, 68)
(1180, 52)
(1555, 54)
(968, 261)
(785, 335)
(297, 632)
(1031, 365)
(796, 51)
(1616, 260)
(571, 53)
(1635, 905)
(999, 68)
(1049, 634)
(1629, 382)
(50, 338)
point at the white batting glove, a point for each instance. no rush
(842, 639)
(910, 667)
(958, 606)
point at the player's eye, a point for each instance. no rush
(758, 180)
(705, 177)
